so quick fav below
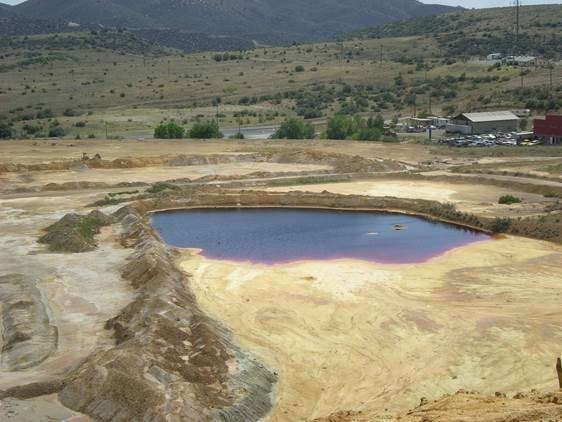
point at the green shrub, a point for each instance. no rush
(170, 130)
(368, 134)
(160, 187)
(299, 68)
(56, 132)
(339, 127)
(5, 131)
(344, 127)
(294, 128)
(500, 225)
(45, 114)
(70, 112)
(509, 199)
(205, 130)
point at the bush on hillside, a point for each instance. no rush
(339, 127)
(294, 128)
(56, 132)
(170, 130)
(500, 225)
(5, 131)
(509, 199)
(344, 127)
(205, 130)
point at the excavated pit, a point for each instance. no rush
(176, 361)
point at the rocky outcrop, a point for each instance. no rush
(170, 361)
(28, 337)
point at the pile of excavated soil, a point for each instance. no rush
(75, 233)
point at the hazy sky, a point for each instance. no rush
(464, 3)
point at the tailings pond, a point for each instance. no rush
(276, 235)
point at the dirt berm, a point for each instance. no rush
(469, 406)
(170, 362)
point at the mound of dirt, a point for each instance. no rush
(342, 163)
(75, 233)
(469, 406)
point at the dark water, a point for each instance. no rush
(273, 236)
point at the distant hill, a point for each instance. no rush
(13, 24)
(268, 21)
(484, 31)
(5, 10)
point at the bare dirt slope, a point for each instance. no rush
(466, 406)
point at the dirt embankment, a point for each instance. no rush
(468, 406)
(340, 162)
(215, 197)
(170, 360)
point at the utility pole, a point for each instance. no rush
(517, 11)
(551, 69)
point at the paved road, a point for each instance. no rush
(251, 132)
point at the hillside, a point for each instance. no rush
(266, 21)
(484, 31)
(5, 10)
(12, 24)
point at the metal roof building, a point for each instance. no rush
(487, 122)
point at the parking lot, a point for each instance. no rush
(488, 140)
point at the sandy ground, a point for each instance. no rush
(341, 334)
(33, 152)
(82, 291)
(46, 408)
(357, 335)
(149, 174)
(477, 199)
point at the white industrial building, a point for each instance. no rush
(487, 122)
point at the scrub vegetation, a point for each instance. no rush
(120, 92)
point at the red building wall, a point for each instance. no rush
(550, 126)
